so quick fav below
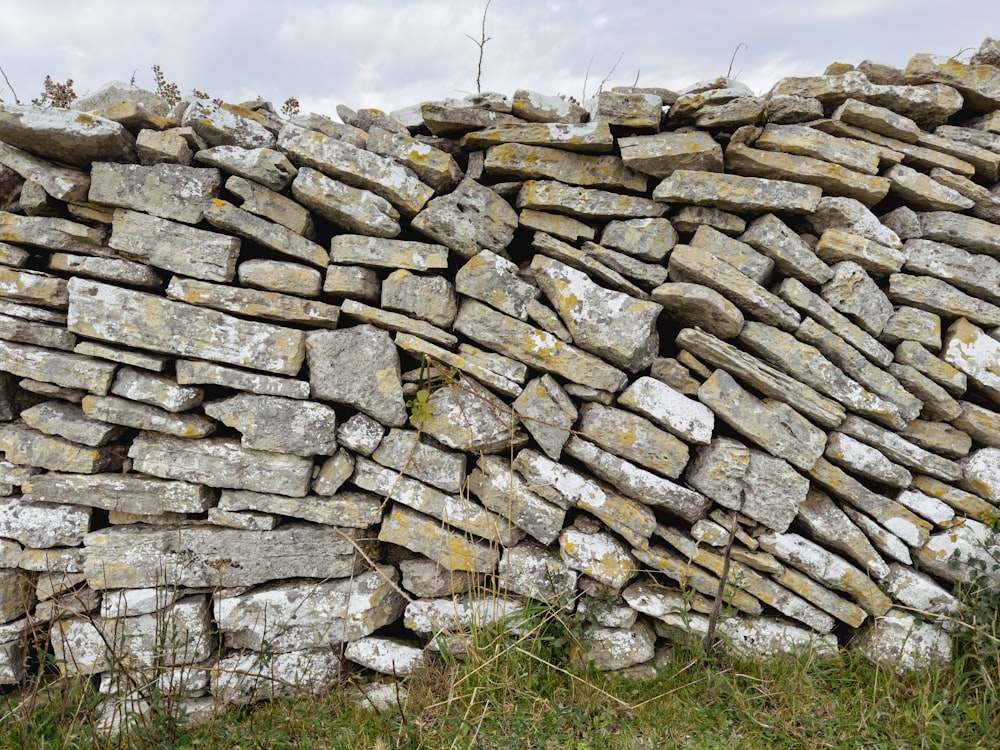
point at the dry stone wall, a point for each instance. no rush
(280, 396)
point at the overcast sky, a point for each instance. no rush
(392, 53)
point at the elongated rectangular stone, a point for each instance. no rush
(33, 287)
(502, 490)
(111, 269)
(229, 218)
(397, 322)
(352, 509)
(65, 369)
(126, 493)
(585, 203)
(221, 462)
(900, 450)
(387, 253)
(772, 425)
(535, 347)
(43, 525)
(426, 536)
(764, 378)
(229, 377)
(805, 141)
(453, 510)
(170, 191)
(137, 556)
(591, 138)
(416, 345)
(145, 321)
(693, 265)
(733, 193)
(51, 233)
(141, 416)
(254, 303)
(68, 421)
(520, 162)
(363, 169)
(33, 332)
(174, 247)
(638, 483)
(25, 446)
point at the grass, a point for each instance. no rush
(511, 692)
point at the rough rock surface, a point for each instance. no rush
(274, 378)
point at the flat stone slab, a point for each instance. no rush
(495, 280)
(692, 265)
(354, 166)
(170, 191)
(350, 208)
(599, 555)
(960, 230)
(146, 321)
(791, 255)
(585, 203)
(547, 412)
(229, 377)
(376, 252)
(770, 424)
(65, 369)
(139, 416)
(336, 358)
(256, 303)
(591, 137)
(65, 136)
(403, 451)
(265, 166)
(169, 245)
(830, 526)
(677, 413)
(43, 525)
(220, 462)
(664, 153)
(535, 347)
(975, 353)
(426, 536)
(615, 326)
(126, 493)
(69, 421)
(25, 446)
(503, 491)
(941, 298)
(734, 193)
(281, 425)
(633, 437)
(140, 556)
(520, 162)
(227, 217)
(290, 616)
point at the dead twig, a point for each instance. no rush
(481, 43)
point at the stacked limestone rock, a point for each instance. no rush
(284, 394)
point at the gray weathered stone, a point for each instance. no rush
(33, 287)
(282, 425)
(770, 424)
(138, 556)
(592, 137)
(597, 554)
(733, 193)
(764, 378)
(975, 353)
(688, 264)
(503, 491)
(287, 617)
(494, 280)
(430, 298)
(170, 191)
(853, 292)
(220, 462)
(43, 525)
(227, 124)
(535, 347)
(610, 324)
(924, 193)
(351, 208)
(351, 509)
(127, 493)
(265, 166)
(806, 364)
(205, 372)
(638, 483)
(403, 451)
(833, 179)
(585, 203)
(900, 450)
(632, 437)
(25, 446)
(682, 416)
(146, 417)
(805, 141)
(466, 416)
(280, 276)
(831, 527)
(739, 255)
(335, 359)
(759, 486)
(898, 640)
(661, 154)
(52, 234)
(61, 135)
(362, 169)
(281, 239)
(242, 678)
(697, 305)
(69, 421)
(865, 461)
(427, 536)
(519, 162)
(534, 571)
(879, 260)
(791, 255)
(648, 239)
(547, 413)
(62, 183)
(961, 230)
(138, 319)
(169, 245)
(851, 216)
(564, 227)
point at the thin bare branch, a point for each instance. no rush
(610, 73)
(10, 86)
(586, 76)
(481, 43)
(733, 58)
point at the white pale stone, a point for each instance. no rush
(683, 416)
